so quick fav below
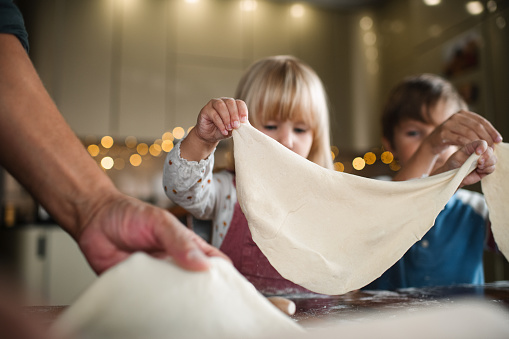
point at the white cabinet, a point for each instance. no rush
(52, 268)
(140, 77)
(83, 43)
(143, 67)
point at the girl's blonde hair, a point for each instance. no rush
(285, 88)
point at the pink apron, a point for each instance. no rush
(251, 262)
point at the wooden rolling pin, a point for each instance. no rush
(285, 305)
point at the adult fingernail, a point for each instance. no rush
(236, 124)
(197, 256)
(243, 118)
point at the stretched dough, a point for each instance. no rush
(496, 191)
(144, 297)
(328, 231)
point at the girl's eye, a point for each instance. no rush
(300, 130)
(270, 127)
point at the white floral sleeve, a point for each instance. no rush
(207, 196)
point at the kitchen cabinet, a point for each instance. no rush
(51, 267)
(144, 67)
(83, 64)
(139, 77)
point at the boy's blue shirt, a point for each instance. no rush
(450, 253)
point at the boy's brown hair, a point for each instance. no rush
(414, 98)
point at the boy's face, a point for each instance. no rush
(409, 134)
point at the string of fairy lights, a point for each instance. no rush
(117, 155)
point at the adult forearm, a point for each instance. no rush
(38, 147)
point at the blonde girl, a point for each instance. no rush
(286, 100)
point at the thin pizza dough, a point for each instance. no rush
(328, 231)
(144, 297)
(496, 191)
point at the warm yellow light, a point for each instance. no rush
(339, 167)
(358, 163)
(155, 150)
(297, 11)
(366, 23)
(387, 157)
(142, 148)
(335, 150)
(248, 5)
(107, 141)
(178, 132)
(119, 164)
(107, 163)
(135, 160)
(431, 2)
(131, 142)
(394, 166)
(474, 7)
(192, 1)
(158, 142)
(167, 145)
(189, 129)
(93, 150)
(370, 158)
(168, 136)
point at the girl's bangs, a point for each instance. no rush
(287, 103)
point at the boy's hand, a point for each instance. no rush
(219, 117)
(460, 129)
(485, 163)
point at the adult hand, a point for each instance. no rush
(121, 225)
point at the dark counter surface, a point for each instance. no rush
(354, 306)
(313, 309)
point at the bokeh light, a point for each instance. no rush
(179, 132)
(107, 163)
(370, 158)
(358, 163)
(93, 150)
(119, 164)
(131, 142)
(387, 157)
(338, 166)
(107, 141)
(167, 145)
(142, 148)
(135, 160)
(155, 150)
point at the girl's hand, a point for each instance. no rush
(219, 117)
(460, 129)
(485, 163)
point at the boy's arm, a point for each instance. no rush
(420, 164)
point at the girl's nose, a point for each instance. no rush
(286, 138)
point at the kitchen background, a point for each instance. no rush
(130, 77)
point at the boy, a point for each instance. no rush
(423, 124)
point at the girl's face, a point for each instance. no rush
(294, 135)
(409, 134)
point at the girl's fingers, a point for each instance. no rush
(242, 109)
(233, 114)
